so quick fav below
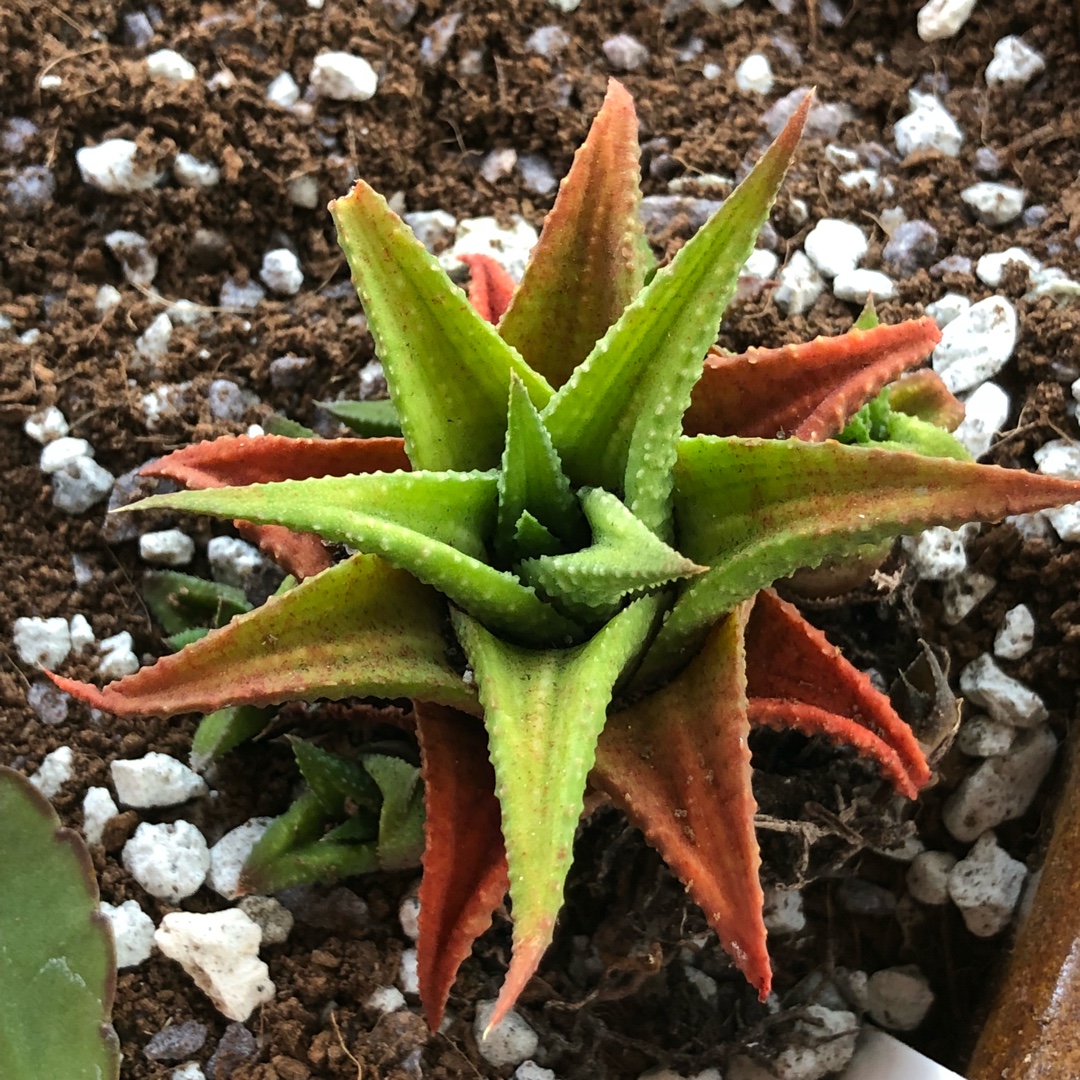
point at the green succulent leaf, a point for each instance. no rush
(531, 539)
(544, 711)
(224, 730)
(624, 558)
(616, 422)
(369, 418)
(333, 778)
(57, 961)
(447, 369)
(401, 820)
(182, 602)
(283, 425)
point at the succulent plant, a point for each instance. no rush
(57, 963)
(605, 576)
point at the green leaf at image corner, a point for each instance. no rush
(182, 602)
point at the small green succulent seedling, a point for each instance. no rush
(57, 963)
(590, 506)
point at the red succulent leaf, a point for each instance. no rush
(232, 461)
(796, 678)
(678, 764)
(809, 390)
(490, 286)
(923, 394)
(465, 874)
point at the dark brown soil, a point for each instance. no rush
(423, 135)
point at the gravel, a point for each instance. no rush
(1004, 698)
(986, 886)
(754, 75)
(133, 933)
(113, 167)
(170, 861)
(994, 203)
(928, 128)
(1015, 63)
(976, 345)
(834, 246)
(155, 780)
(510, 1043)
(343, 76)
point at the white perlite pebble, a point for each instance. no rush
(1015, 63)
(899, 998)
(107, 299)
(927, 128)
(857, 286)
(117, 656)
(228, 855)
(193, 173)
(188, 1071)
(754, 75)
(986, 885)
(81, 484)
(407, 972)
(1066, 522)
(273, 919)
(977, 345)
(1003, 697)
(624, 52)
(993, 203)
(510, 1043)
(54, 772)
(800, 285)
(42, 641)
(529, 1070)
(941, 19)
(937, 553)
(152, 345)
(60, 453)
(169, 66)
(963, 593)
(303, 191)
(433, 228)
(991, 267)
(834, 246)
(762, 263)
(45, 426)
(824, 1044)
(983, 737)
(98, 808)
(220, 952)
(985, 413)
(386, 999)
(928, 876)
(232, 561)
(484, 236)
(783, 911)
(169, 861)
(169, 547)
(110, 166)
(1001, 788)
(281, 272)
(951, 306)
(155, 780)
(1017, 633)
(1059, 457)
(343, 77)
(283, 91)
(409, 917)
(133, 933)
(138, 262)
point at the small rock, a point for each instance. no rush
(169, 66)
(951, 306)
(138, 30)
(1001, 788)
(1017, 633)
(800, 285)
(565, 6)
(81, 484)
(168, 547)
(990, 268)
(899, 998)
(834, 246)
(240, 296)
(711, 71)
(658, 211)
(139, 264)
(983, 737)
(760, 264)
(177, 1041)
(510, 1043)
(860, 897)
(82, 634)
(55, 770)
(220, 952)
(283, 91)
(228, 401)
(435, 228)
(30, 191)
(50, 704)
(1059, 457)
(529, 1070)
(60, 453)
(1015, 63)
(47, 425)
(783, 911)
(993, 203)
(192, 173)
(228, 855)
(107, 300)
(985, 414)
(937, 554)
(290, 372)
(823, 1044)
(117, 656)
(386, 999)
(625, 53)
(927, 128)
(913, 245)
(44, 642)
(940, 19)
(111, 167)
(133, 933)
(857, 286)
(987, 163)
(824, 122)
(841, 156)
(928, 877)
(409, 916)
(547, 41)
(485, 236)
(975, 346)
(963, 593)
(98, 808)
(1003, 697)
(951, 264)
(15, 134)
(235, 562)
(339, 910)
(496, 166)
(343, 77)
(436, 42)
(188, 1071)
(169, 861)
(398, 13)
(303, 191)
(537, 174)
(236, 1046)
(155, 780)
(754, 75)
(986, 885)
(269, 914)
(281, 272)
(152, 345)
(407, 972)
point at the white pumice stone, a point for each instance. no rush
(529, 1070)
(233, 561)
(169, 66)
(800, 286)
(228, 855)
(704, 984)
(871, 179)
(283, 91)
(168, 547)
(191, 172)
(1059, 457)
(343, 77)
(169, 861)
(963, 593)
(485, 236)
(985, 414)
(899, 998)
(409, 917)
(155, 780)
(98, 808)
(857, 286)
(754, 75)
(937, 553)
(1003, 697)
(928, 877)
(834, 246)
(624, 52)
(1001, 788)
(48, 424)
(303, 191)
(41, 641)
(499, 164)
(990, 268)
(1066, 521)
(386, 999)
(824, 1044)
(190, 1070)
(220, 952)
(941, 19)
(711, 70)
(81, 484)
(272, 917)
(986, 885)
(993, 203)
(407, 972)
(975, 346)
(281, 272)
(133, 932)
(565, 6)
(762, 263)
(841, 156)
(510, 1043)
(60, 453)
(138, 262)
(927, 128)
(55, 770)
(117, 656)
(107, 300)
(111, 167)
(187, 313)
(1015, 63)
(153, 343)
(1017, 633)
(49, 702)
(783, 911)
(433, 228)
(1052, 281)
(951, 306)
(984, 737)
